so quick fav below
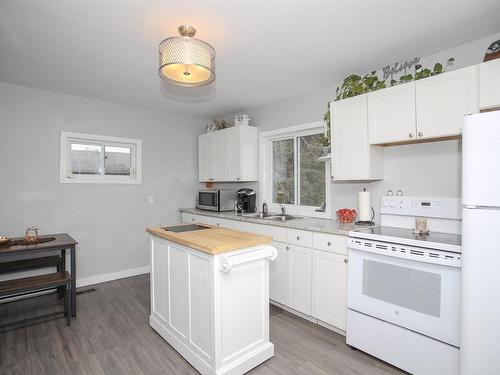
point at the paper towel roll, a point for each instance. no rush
(365, 206)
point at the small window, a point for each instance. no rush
(87, 158)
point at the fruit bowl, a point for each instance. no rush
(346, 215)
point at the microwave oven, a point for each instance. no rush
(216, 200)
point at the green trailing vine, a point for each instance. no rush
(354, 85)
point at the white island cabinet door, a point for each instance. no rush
(444, 100)
(330, 288)
(206, 163)
(391, 114)
(277, 275)
(159, 279)
(299, 267)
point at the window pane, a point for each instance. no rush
(312, 171)
(85, 159)
(283, 171)
(117, 160)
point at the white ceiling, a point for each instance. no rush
(266, 50)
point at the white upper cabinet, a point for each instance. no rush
(352, 156)
(229, 155)
(222, 155)
(443, 100)
(489, 84)
(206, 157)
(391, 114)
(244, 153)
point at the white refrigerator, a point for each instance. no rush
(480, 312)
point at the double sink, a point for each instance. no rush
(271, 216)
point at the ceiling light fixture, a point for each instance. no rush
(185, 60)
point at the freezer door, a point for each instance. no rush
(480, 321)
(481, 160)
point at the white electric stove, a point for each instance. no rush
(404, 288)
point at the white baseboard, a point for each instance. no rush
(97, 279)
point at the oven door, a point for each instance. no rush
(208, 200)
(422, 297)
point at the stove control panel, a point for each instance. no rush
(445, 208)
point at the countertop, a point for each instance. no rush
(310, 224)
(212, 240)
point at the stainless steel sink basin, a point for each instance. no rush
(281, 217)
(271, 216)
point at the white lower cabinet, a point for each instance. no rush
(277, 274)
(309, 274)
(329, 288)
(299, 270)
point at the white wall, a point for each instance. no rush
(431, 169)
(108, 221)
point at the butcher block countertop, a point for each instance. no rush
(212, 240)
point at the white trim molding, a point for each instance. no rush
(67, 177)
(265, 169)
(98, 279)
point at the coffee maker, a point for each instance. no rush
(246, 200)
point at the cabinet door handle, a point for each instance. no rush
(345, 260)
(420, 134)
(329, 243)
(410, 135)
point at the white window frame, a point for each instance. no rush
(266, 170)
(66, 177)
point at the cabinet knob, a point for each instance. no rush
(420, 134)
(192, 219)
(218, 224)
(298, 238)
(329, 243)
(288, 248)
(410, 135)
(345, 260)
(237, 178)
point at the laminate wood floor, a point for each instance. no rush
(111, 335)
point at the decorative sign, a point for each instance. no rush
(398, 68)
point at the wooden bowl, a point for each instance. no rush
(4, 241)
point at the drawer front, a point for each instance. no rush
(192, 218)
(189, 218)
(277, 233)
(300, 237)
(330, 242)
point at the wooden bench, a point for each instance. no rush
(25, 285)
(31, 264)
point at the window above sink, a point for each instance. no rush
(293, 173)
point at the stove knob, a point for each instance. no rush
(393, 204)
(385, 204)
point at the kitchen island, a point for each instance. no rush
(210, 295)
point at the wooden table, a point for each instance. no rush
(62, 242)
